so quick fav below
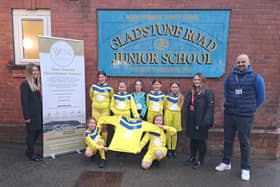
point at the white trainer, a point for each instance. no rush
(222, 167)
(245, 174)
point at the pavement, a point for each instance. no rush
(75, 170)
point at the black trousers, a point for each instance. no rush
(199, 146)
(30, 139)
(243, 126)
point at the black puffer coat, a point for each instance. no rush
(202, 118)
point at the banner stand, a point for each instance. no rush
(63, 95)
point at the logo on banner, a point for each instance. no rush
(161, 44)
(62, 53)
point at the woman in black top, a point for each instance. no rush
(31, 100)
(199, 109)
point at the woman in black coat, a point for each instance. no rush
(199, 109)
(31, 101)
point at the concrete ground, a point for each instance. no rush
(70, 169)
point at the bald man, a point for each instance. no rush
(244, 92)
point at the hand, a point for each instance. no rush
(191, 108)
(105, 148)
(160, 126)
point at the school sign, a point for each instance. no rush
(162, 43)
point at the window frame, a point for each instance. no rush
(18, 16)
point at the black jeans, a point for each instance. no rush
(243, 126)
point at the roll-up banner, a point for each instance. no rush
(63, 94)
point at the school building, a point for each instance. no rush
(254, 29)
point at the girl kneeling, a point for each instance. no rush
(94, 142)
(156, 150)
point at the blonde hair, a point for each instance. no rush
(33, 84)
(179, 94)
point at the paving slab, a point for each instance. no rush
(72, 169)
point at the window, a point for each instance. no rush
(28, 24)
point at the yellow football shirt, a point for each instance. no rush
(157, 140)
(100, 95)
(127, 133)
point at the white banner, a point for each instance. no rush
(63, 92)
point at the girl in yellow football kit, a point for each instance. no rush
(94, 142)
(123, 103)
(154, 101)
(100, 95)
(156, 150)
(172, 116)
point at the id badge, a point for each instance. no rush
(238, 92)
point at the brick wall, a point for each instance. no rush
(254, 29)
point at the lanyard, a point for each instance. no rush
(192, 103)
(240, 83)
(193, 98)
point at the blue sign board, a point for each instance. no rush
(162, 43)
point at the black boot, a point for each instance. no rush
(36, 158)
(33, 157)
(190, 161)
(174, 154)
(101, 163)
(197, 165)
(169, 154)
(156, 163)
